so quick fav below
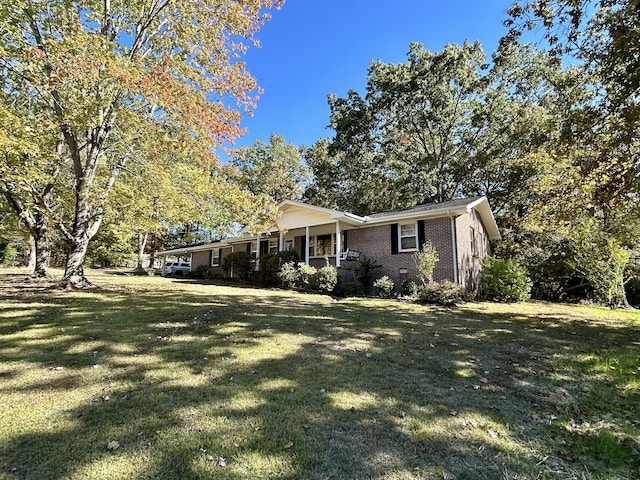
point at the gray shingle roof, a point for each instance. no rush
(427, 207)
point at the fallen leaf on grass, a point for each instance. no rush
(471, 423)
(222, 462)
(113, 445)
(288, 445)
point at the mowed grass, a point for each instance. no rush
(173, 379)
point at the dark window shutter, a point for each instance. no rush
(249, 247)
(421, 234)
(210, 257)
(264, 247)
(394, 238)
(344, 241)
(303, 243)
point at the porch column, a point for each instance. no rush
(338, 243)
(281, 244)
(258, 252)
(306, 245)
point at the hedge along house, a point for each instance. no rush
(460, 230)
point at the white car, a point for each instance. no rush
(177, 268)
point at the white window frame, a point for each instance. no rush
(474, 242)
(313, 246)
(400, 237)
(215, 257)
(254, 251)
(273, 246)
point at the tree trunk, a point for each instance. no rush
(36, 222)
(84, 228)
(40, 236)
(142, 243)
(74, 277)
(152, 256)
(31, 260)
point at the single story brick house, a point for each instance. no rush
(460, 230)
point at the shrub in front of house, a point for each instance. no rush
(289, 274)
(287, 256)
(305, 276)
(410, 289)
(349, 289)
(385, 286)
(201, 272)
(364, 272)
(268, 270)
(504, 280)
(426, 260)
(239, 263)
(327, 278)
(442, 293)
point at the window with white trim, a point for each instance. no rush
(474, 244)
(215, 257)
(408, 237)
(273, 246)
(322, 245)
(254, 251)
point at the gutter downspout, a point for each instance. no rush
(454, 248)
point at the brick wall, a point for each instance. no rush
(375, 243)
(470, 264)
(438, 231)
(199, 258)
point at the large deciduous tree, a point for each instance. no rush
(435, 127)
(601, 37)
(595, 161)
(98, 74)
(274, 169)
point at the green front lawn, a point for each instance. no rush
(173, 379)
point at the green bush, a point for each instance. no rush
(289, 274)
(201, 272)
(410, 288)
(287, 256)
(268, 270)
(385, 286)
(349, 289)
(364, 273)
(307, 276)
(504, 280)
(442, 293)
(426, 260)
(327, 278)
(238, 263)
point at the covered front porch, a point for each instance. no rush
(316, 234)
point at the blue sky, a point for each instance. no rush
(312, 48)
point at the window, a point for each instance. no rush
(288, 245)
(215, 257)
(254, 251)
(408, 237)
(273, 245)
(473, 244)
(322, 245)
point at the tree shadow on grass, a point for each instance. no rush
(233, 383)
